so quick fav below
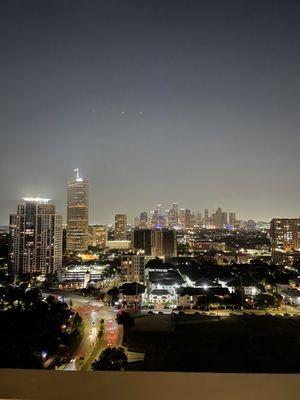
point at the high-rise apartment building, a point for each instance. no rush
(120, 227)
(97, 236)
(285, 237)
(155, 242)
(163, 243)
(36, 238)
(141, 240)
(77, 213)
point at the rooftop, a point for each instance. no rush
(170, 277)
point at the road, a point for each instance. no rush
(91, 346)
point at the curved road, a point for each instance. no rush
(91, 346)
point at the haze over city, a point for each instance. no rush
(155, 102)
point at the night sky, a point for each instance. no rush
(154, 101)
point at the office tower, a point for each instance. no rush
(97, 236)
(285, 237)
(176, 210)
(158, 219)
(186, 218)
(162, 221)
(189, 219)
(199, 219)
(133, 268)
(35, 238)
(172, 218)
(206, 218)
(77, 213)
(158, 209)
(136, 222)
(120, 227)
(141, 240)
(224, 220)
(154, 219)
(218, 218)
(143, 219)
(163, 243)
(232, 218)
(181, 217)
(175, 207)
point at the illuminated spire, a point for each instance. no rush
(76, 175)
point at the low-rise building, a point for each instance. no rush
(159, 297)
(169, 280)
(133, 267)
(76, 276)
(118, 244)
(131, 296)
(187, 297)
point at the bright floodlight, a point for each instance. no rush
(36, 199)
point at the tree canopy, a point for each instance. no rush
(111, 359)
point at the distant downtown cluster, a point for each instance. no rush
(38, 240)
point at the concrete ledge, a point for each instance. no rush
(26, 384)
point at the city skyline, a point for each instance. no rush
(150, 198)
(110, 220)
(193, 101)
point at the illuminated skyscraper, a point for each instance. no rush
(120, 227)
(36, 238)
(143, 219)
(172, 218)
(77, 213)
(175, 208)
(154, 219)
